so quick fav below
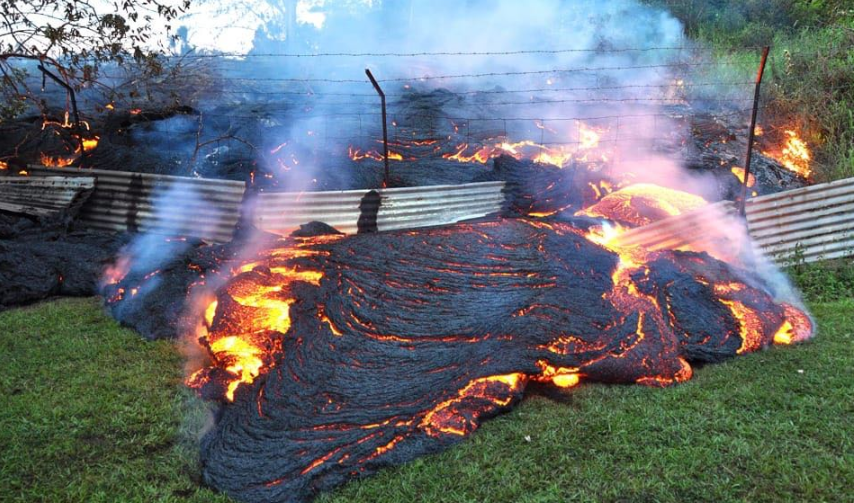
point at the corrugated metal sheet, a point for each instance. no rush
(161, 204)
(41, 196)
(399, 208)
(698, 228)
(812, 223)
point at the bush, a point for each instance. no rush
(824, 281)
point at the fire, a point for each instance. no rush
(4, 166)
(86, 143)
(482, 155)
(559, 155)
(56, 161)
(795, 154)
(525, 149)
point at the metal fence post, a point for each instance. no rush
(751, 135)
(385, 126)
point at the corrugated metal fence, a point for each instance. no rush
(210, 209)
(809, 224)
(42, 196)
(161, 204)
(381, 209)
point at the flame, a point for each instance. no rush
(795, 154)
(3, 166)
(87, 144)
(525, 149)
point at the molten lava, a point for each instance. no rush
(739, 173)
(641, 204)
(338, 355)
(585, 148)
(238, 339)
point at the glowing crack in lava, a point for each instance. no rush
(336, 356)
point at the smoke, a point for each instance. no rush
(150, 253)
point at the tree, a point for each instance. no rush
(77, 37)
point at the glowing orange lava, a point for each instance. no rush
(739, 173)
(642, 203)
(241, 345)
(444, 418)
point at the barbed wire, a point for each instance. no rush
(474, 75)
(480, 92)
(463, 120)
(598, 50)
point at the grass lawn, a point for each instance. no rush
(90, 412)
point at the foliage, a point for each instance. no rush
(824, 281)
(93, 413)
(76, 37)
(811, 67)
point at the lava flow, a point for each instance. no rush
(586, 148)
(335, 356)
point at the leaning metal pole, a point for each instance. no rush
(385, 126)
(751, 135)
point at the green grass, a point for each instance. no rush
(93, 413)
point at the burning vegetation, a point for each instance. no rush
(794, 154)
